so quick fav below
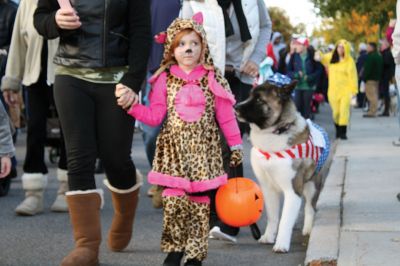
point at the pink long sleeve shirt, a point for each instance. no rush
(154, 114)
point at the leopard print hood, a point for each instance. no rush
(179, 24)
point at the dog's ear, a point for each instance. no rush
(286, 91)
(263, 86)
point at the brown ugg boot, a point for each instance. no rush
(84, 210)
(125, 204)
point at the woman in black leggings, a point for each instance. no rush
(103, 44)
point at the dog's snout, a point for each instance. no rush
(238, 108)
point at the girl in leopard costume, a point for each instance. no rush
(192, 98)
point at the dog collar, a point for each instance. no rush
(282, 129)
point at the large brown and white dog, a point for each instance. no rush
(283, 160)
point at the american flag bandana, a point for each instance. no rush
(307, 149)
(303, 151)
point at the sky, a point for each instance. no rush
(298, 11)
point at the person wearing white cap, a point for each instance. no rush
(362, 56)
(362, 47)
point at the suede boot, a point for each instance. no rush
(84, 210)
(60, 204)
(125, 204)
(34, 185)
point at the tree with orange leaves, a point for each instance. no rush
(354, 27)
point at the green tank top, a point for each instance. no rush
(111, 75)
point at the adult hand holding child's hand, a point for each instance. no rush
(125, 96)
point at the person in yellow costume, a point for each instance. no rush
(343, 85)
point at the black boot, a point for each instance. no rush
(343, 132)
(387, 106)
(193, 262)
(337, 131)
(173, 259)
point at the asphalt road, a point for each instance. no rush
(45, 239)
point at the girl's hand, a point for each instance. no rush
(67, 19)
(236, 158)
(125, 96)
(5, 166)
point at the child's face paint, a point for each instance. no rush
(188, 51)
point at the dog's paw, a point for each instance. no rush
(265, 239)
(306, 230)
(279, 248)
(307, 227)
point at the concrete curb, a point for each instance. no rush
(323, 245)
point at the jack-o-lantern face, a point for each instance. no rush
(239, 202)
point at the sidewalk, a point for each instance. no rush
(358, 217)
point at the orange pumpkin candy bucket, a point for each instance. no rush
(240, 203)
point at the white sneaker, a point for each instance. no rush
(216, 233)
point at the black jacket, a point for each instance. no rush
(113, 33)
(8, 10)
(388, 65)
(314, 71)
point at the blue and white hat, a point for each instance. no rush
(279, 80)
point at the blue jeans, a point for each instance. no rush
(302, 99)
